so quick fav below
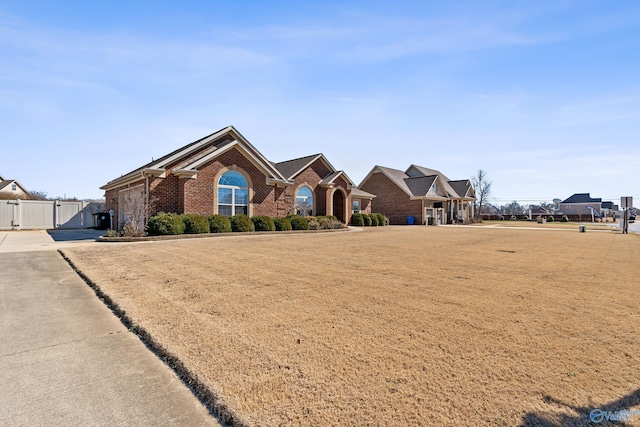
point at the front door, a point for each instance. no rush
(338, 205)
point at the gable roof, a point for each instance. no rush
(331, 178)
(463, 188)
(417, 182)
(361, 194)
(411, 171)
(4, 183)
(290, 168)
(420, 185)
(582, 198)
(394, 175)
(211, 146)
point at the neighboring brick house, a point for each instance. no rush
(223, 173)
(424, 194)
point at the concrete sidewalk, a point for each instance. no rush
(67, 360)
(41, 240)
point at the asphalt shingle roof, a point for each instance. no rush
(289, 167)
(420, 185)
(582, 198)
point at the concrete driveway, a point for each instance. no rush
(66, 359)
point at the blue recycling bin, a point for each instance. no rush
(411, 220)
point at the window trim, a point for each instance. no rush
(217, 186)
(313, 199)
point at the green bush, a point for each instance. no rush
(263, 223)
(298, 222)
(564, 218)
(357, 220)
(550, 218)
(195, 224)
(374, 220)
(241, 223)
(381, 219)
(219, 224)
(165, 223)
(282, 224)
(367, 220)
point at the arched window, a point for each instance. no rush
(304, 201)
(233, 194)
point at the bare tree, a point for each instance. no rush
(482, 188)
(39, 195)
(133, 211)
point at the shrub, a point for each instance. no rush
(195, 224)
(241, 223)
(357, 220)
(367, 220)
(219, 224)
(314, 222)
(298, 222)
(550, 218)
(564, 218)
(165, 223)
(112, 233)
(131, 229)
(381, 219)
(282, 224)
(329, 222)
(263, 223)
(374, 219)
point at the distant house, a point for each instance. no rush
(536, 211)
(13, 189)
(582, 203)
(223, 173)
(426, 195)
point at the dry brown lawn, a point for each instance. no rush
(555, 224)
(392, 326)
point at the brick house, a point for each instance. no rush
(223, 173)
(425, 194)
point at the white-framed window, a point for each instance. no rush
(233, 194)
(356, 206)
(14, 187)
(304, 201)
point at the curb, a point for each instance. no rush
(214, 235)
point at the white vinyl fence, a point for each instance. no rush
(47, 214)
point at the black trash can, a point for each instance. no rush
(101, 220)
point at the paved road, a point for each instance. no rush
(65, 358)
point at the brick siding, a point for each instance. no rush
(391, 201)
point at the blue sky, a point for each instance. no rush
(544, 96)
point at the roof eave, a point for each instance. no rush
(133, 177)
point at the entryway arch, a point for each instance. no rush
(339, 204)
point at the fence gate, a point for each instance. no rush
(47, 214)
